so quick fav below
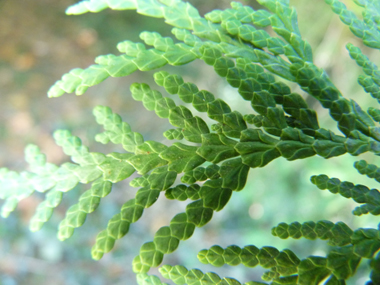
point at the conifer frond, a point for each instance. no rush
(180, 275)
(145, 279)
(359, 193)
(371, 170)
(366, 30)
(213, 160)
(338, 234)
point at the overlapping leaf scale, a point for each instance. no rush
(182, 158)
(230, 122)
(313, 270)
(89, 168)
(217, 147)
(86, 169)
(359, 193)
(150, 154)
(302, 117)
(44, 210)
(257, 77)
(233, 124)
(371, 13)
(285, 24)
(88, 202)
(368, 66)
(41, 177)
(212, 55)
(343, 262)
(175, 54)
(233, 19)
(160, 179)
(145, 279)
(182, 192)
(46, 176)
(264, 103)
(338, 234)
(201, 174)
(234, 174)
(370, 86)
(174, 14)
(137, 58)
(79, 80)
(257, 148)
(357, 144)
(375, 271)
(368, 33)
(315, 81)
(118, 166)
(166, 239)
(371, 81)
(187, 37)
(179, 116)
(366, 242)
(374, 113)
(293, 104)
(371, 170)
(294, 144)
(217, 190)
(225, 67)
(264, 92)
(258, 38)
(244, 14)
(215, 194)
(177, 13)
(194, 175)
(116, 131)
(180, 275)
(184, 16)
(17, 186)
(283, 264)
(348, 114)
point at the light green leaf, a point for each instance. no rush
(116, 168)
(234, 174)
(181, 157)
(216, 148)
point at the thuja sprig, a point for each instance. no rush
(46, 177)
(213, 160)
(371, 170)
(366, 29)
(181, 275)
(359, 193)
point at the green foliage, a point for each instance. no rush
(213, 160)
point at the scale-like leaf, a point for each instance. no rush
(212, 161)
(182, 157)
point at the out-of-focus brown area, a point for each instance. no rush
(38, 44)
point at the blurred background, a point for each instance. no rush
(39, 43)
